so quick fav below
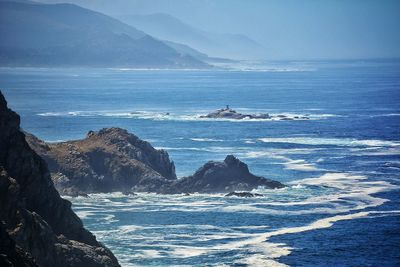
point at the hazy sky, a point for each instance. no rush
(289, 29)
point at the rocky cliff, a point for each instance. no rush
(219, 177)
(38, 227)
(108, 160)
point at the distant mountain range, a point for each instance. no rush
(33, 34)
(167, 27)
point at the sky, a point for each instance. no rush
(289, 29)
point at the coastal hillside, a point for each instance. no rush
(38, 227)
(34, 34)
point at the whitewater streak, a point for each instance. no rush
(350, 195)
(355, 188)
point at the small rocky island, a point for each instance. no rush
(228, 113)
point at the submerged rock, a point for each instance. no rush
(243, 194)
(221, 177)
(105, 161)
(38, 226)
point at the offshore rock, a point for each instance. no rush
(228, 113)
(38, 226)
(221, 177)
(243, 194)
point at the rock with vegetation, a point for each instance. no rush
(105, 161)
(38, 227)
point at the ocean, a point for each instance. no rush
(342, 165)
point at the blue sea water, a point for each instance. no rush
(342, 166)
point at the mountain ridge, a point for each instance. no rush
(36, 34)
(170, 28)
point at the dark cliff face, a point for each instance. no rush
(218, 177)
(105, 161)
(12, 255)
(37, 220)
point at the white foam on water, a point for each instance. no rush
(257, 154)
(259, 260)
(386, 115)
(206, 140)
(376, 151)
(149, 253)
(355, 190)
(350, 192)
(348, 196)
(130, 228)
(157, 115)
(331, 141)
(300, 165)
(290, 164)
(263, 251)
(245, 227)
(270, 252)
(83, 214)
(243, 208)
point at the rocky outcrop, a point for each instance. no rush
(11, 254)
(219, 177)
(41, 226)
(228, 113)
(243, 194)
(108, 160)
(114, 160)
